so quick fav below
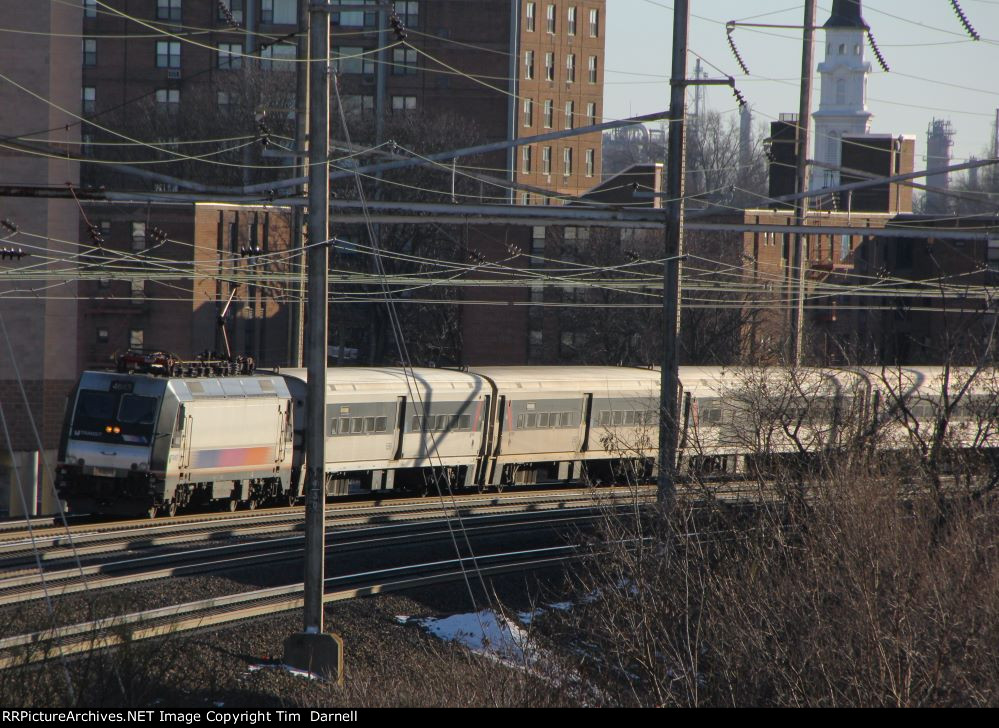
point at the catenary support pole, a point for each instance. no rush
(313, 649)
(800, 256)
(297, 333)
(669, 395)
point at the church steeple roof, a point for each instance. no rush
(846, 14)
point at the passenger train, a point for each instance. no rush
(146, 443)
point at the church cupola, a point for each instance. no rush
(846, 14)
(843, 92)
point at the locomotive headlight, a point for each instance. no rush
(108, 429)
(143, 467)
(117, 430)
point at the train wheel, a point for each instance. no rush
(292, 500)
(171, 510)
(153, 510)
(233, 503)
(252, 504)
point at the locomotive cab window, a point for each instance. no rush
(136, 409)
(114, 417)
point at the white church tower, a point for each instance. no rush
(843, 100)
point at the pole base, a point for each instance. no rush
(320, 654)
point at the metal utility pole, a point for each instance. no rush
(313, 649)
(800, 257)
(297, 333)
(669, 395)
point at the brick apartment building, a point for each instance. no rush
(39, 317)
(949, 313)
(166, 273)
(510, 68)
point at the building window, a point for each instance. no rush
(223, 99)
(526, 154)
(550, 18)
(570, 68)
(135, 339)
(359, 105)
(348, 18)
(590, 162)
(408, 12)
(567, 161)
(235, 9)
(279, 12)
(528, 112)
(403, 103)
(570, 112)
(832, 151)
(571, 25)
(403, 61)
(168, 9)
(89, 52)
(90, 8)
(529, 65)
(89, 99)
(349, 59)
(593, 69)
(840, 92)
(168, 99)
(546, 160)
(168, 54)
(549, 113)
(550, 66)
(591, 112)
(525, 198)
(138, 292)
(529, 22)
(138, 235)
(594, 23)
(284, 53)
(103, 336)
(230, 55)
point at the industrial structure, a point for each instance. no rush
(939, 141)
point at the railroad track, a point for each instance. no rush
(19, 549)
(501, 516)
(210, 551)
(15, 533)
(83, 637)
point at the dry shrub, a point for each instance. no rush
(866, 599)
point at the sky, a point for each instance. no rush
(937, 71)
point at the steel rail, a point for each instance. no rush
(110, 632)
(23, 588)
(57, 535)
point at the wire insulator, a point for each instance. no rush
(226, 13)
(729, 27)
(95, 235)
(877, 52)
(397, 27)
(738, 95)
(969, 29)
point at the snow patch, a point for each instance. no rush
(287, 668)
(486, 633)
